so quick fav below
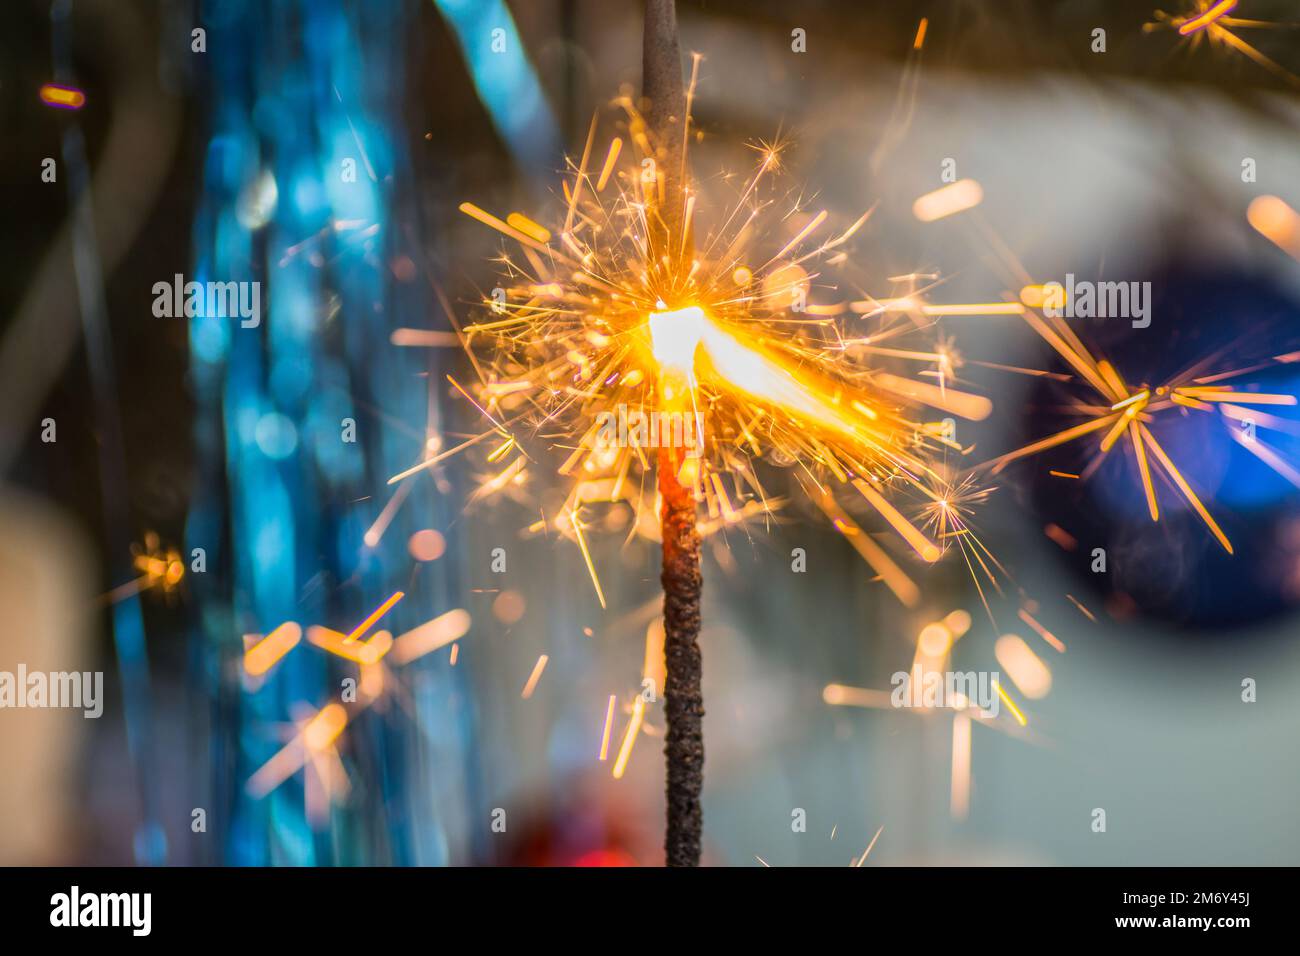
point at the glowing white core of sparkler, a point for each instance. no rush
(675, 336)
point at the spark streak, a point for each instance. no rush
(1206, 18)
(1277, 222)
(919, 40)
(534, 677)
(62, 97)
(862, 859)
(948, 200)
(960, 796)
(316, 736)
(431, 635)
(1130, 413)
(374, 616)
(629, 737)
(1011, 704)
(263, 655)
(609, 724)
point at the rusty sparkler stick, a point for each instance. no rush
(683, 700)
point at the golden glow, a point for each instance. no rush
(761, 377)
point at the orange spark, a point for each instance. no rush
(841, 695)
(1023, 666)
(263, 655)
(629, 737)
(374, 616)
(609, 724)
(1206, 18)
(63, 97)
(920, 34)
(862, 859)
(948, 200)
(431, 635)
(534, 677)
(960, 797)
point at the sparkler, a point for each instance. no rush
(1120, 412)
(637, 302)
(631, 303)
(642, 298)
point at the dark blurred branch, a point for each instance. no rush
(132, 169)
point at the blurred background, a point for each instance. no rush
(195, 494)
